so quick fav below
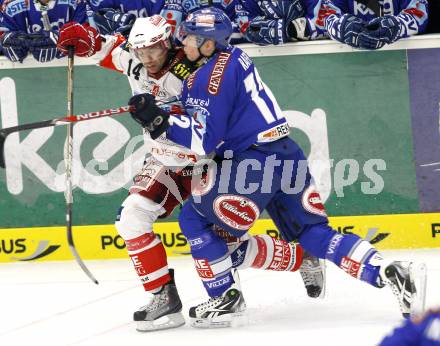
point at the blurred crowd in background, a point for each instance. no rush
(30, 27)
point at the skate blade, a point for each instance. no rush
(164, 322)
(237, 319)
(418, 274)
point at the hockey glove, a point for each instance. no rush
(264, 31)
(345, 29)
(298, 29)
(380, 31)
(43, 46)
(149, 115)
(82, 37)
(110, 21)
(282, 9)
(14, 45)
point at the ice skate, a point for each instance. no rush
(312, 271)
(163, 312)
(227, 310)
(408, 283)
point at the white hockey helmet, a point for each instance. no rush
(149, 31)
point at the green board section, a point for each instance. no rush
(366, 100)
(364, 97)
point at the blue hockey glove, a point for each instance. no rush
(264, 31)
(110, 21)
(14, 45)
(149, 115)
(346, 29)
(282, 9)
(380, 31)
(43, 45)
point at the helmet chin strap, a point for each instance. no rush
(202, 56)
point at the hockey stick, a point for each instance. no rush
(66, 121)
(69, 188)
(57, 122)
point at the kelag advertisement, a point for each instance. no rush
(369, 123)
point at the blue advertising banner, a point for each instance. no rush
(424, 87)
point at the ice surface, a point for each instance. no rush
(54, 303)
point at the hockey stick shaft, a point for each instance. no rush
(57, 122)
(66, 121)
(69, 160)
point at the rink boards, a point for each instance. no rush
(366, 122)
(404, 231)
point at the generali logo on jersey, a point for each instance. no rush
(217, 73)
(236, 211)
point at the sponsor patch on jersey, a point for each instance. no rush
(172, 152)
(203, 268)
(182, 70)
(351, 267)
(311, 201)
(281, 256)
(274, 133)
(224, 280)
(217, 73)
(334, 243)
(236, 211)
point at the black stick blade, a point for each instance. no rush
(2, 148)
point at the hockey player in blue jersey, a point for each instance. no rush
(118, 16)
(371, 24)
(235, 116)
(420, 331)
(32, 26)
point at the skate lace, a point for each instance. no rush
(399, 293)
(310, 272)
(210, 303)
(158, 301)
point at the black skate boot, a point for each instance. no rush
(402, 278)
(227, 310)
(312, 271)
(163, 312)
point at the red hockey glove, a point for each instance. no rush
(83, 37)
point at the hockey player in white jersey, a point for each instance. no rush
(154, 66)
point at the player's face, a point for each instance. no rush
(191, 45)
(153, 58)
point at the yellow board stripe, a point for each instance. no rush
(403, 231)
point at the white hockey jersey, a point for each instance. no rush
(164, 85)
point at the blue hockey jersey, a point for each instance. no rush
(26, 16)
(423, 333)
(230, 108)
(412, 14)
(140, 8)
